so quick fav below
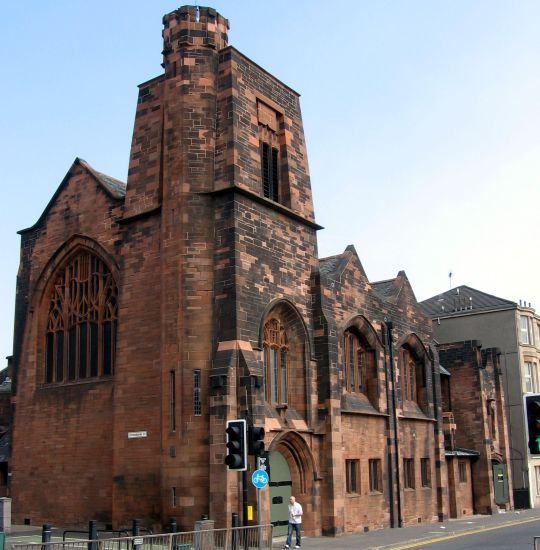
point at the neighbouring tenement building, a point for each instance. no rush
(466, 314)
(475, 428)
(149, 314)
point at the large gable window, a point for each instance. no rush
(275, 362)
(80, 338)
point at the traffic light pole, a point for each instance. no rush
(244, 498)
(242, 441)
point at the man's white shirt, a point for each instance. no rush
(295, 513)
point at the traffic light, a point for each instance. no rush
(532, 403)
(256, 441)
(236, 458)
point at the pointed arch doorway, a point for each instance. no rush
(280, 491)
(293, 472)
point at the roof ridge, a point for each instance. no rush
(486, 294)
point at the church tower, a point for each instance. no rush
(219, 158)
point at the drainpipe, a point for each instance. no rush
(438, 412)
(389, 327)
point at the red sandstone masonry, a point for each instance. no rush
(63, 432)
(202, 261)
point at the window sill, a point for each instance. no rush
(85, 381)
(357, 403)
(375, 493)
(415, 414)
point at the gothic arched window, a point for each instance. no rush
(80, 336)
(359, 363)
(410, 370)
(275, 362)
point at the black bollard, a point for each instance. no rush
(174, 528)
(234, 522)
(46, 533)
(92, 534)
(46, 536)
(173, 525)
(136, 529)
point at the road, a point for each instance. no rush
(513, 537)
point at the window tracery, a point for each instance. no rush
(275, 362)
(80, 338)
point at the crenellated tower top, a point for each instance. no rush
(196, 26)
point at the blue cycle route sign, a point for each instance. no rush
(259, 478)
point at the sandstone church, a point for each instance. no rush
(150, 313)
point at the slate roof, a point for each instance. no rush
(333, 266)
(463, 299)
(386, 289)
(328, 265)
(114, 187)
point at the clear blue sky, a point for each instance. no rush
(422, 121)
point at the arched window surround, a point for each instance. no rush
(413, 361)
(77, 288)
(361, 348)
(295, 341)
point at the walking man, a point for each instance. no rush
(295, 522)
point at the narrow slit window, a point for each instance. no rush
(93, 349)
(283, 366)
(270, 171)
(197, 405)
(462, 471)
(425, 470)
(49, 358)
(352, 476)
(172, 404)
(82, 351)
(60, 357)
(375, 475)
(107, 348)
(72, 353)
(273, 375)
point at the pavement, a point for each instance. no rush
(384, 539)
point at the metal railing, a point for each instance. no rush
(236, 538)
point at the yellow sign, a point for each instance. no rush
(250, 513)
